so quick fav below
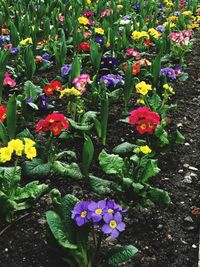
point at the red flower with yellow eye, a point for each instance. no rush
(51, 87)
(54, 123)
(2, 113)
(83, 47)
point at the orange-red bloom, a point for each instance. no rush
(2, 113)
(51, 87)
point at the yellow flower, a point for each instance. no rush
(5, 154)
(145, 149)
(70, 92)
(99, 30)
(136, 35)
(136, 150)
(88, 2)
(154, 33)
(29, 142)
(140, 101)
(17, 146)
(143, 88)
(26, 41)
(168, 88)
(30, 152)
(83, 20)
(187, 13)
(108, 44)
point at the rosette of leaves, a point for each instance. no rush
(129, 176)
(13, 196)
(72, 243)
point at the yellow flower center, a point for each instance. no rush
(98, 211)
(113, 224)
(143, 126)
(84, 214)
(110, 210)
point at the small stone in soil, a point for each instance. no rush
(180, 171)
(188, 219)
(186, 165)
(194, 246)
(193, 168)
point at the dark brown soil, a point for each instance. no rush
(165, 236)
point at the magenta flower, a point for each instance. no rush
(113, 224)
(8, 81)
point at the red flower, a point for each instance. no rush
(136, 69)
(54, 123)
(148, 43)
(145, 120)
(51, 87)
(83, 47)
(2, 113)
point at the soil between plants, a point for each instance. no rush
(165, 236)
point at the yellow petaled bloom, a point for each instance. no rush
(173, 18)
(168, 88)
(170, 24)
(5, 154)
(26, 41)
(136, 150)
(83, 20)
(70, 92)
(70, 8)
(136, 35)
(108, 44)
(187, 13)
(145, 149)
(30, 152)
(17, 146)
(193, 26)
(29, 142)
(88, 2)
(154, 33)
(140, 101)
(198, 19)
(99, 31)
(143, 88)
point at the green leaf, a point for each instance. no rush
(121, 254)
(3, 133)
(58, 230)
(67, 170)
(179, 138)
(123, 148)
(31, 90)
(25, 134)
(32, 189)
(36, 167)
(150, 170)
(158, 195)
(100, 186)
(88, 154)
(11, 118)
(80, 127)
(110, 163)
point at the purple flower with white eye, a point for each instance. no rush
(43, 102)
(65, 70)
(160, 28)
(169, 73)
(47, 57)
(80, 213)
(14, 50)
(109, 62)
(99, 40)
(97, 210)
(111, 80)
(113, 224)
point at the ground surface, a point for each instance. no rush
(166, 237)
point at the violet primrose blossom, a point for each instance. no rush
(169, 73)
(111, 80)
(105, 213)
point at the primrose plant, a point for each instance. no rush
(78, 228)
(13, 197)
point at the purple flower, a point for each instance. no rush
(112, 206)
(47, 57)
(113, 224)
(109, 62)
(80, 213)
(30, 100)
(160, 28)
(99, 40)
(111, 80)
(97, 210)
(14, 50)
(178, 70)
(169, 73)
(65, 70)
(43, 102)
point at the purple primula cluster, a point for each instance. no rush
(168, 73)
(105, 213)
(111, 80)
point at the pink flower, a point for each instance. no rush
(8, 81)
(133, 53)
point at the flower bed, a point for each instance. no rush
(89, 126)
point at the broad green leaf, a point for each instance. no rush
(123, 148)
(121, 254)
(100, 186)
(58, 230)
(31, 90)
(67, 170)
(158, 195)
(32, 189)
(11, 117)
(150, 170)
(36, 167)
(110, 163)
(88, 154)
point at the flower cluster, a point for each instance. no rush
(112, 80)
(70, 92)
(145, 120)
(182, 38)
(143, 149)
(105, 213)
(18, 147)
(81, 82)
(54, 123)
(51, 87)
